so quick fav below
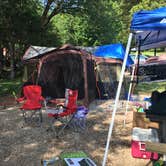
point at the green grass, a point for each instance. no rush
(150, 87)
(8, 87)
(150, 53)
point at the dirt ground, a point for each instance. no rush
(27, 145)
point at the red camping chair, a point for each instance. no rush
(32, 103)
(63, 112)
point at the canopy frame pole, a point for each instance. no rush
(130, 88)
(155, 51)
(117, 99)
(135, 69)
(138, 62)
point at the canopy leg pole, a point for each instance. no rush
(155, 51)
(117, 99)
(135, 68)
(130, 88)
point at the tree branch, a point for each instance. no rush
(45, 12)
(54, 12)
(59, 7)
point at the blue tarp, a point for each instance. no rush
(150, 28)
(115, 51)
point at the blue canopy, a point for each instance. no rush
(149, 20)
(150, 28)
(115, 51)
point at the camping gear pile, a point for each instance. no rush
(149, 30)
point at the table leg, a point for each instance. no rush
(163, 127)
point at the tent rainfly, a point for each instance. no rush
(149, 29)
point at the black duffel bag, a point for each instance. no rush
(158, 103)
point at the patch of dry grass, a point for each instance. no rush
(24, 145)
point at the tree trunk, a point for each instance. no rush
(1, 59)
(25, 75)
(12, 52)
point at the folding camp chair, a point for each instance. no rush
(31, 108)
(63, 112)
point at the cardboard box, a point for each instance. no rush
(140, 120)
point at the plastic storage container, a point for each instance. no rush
(150, 135)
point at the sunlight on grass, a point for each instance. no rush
(150, 87)
(150, 53)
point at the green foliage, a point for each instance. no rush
(52, 23)
(21, 23)
(54, 7)
(8, 87)
(103, 21)
(71, 29)
(20, 26)
(82, 22)
(148, 5)
(91, 27)
(150, 87)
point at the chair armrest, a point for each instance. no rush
(52, 104)
(61, 105)
(20, 99)
(57, 101)
(42, 98)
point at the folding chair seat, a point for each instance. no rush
(63, 112)
(31, 106)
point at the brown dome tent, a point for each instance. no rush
(60, 68)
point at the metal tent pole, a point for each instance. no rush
(136, 59)
(116, 100)
(130, 87)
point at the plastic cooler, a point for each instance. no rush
(138, 147)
